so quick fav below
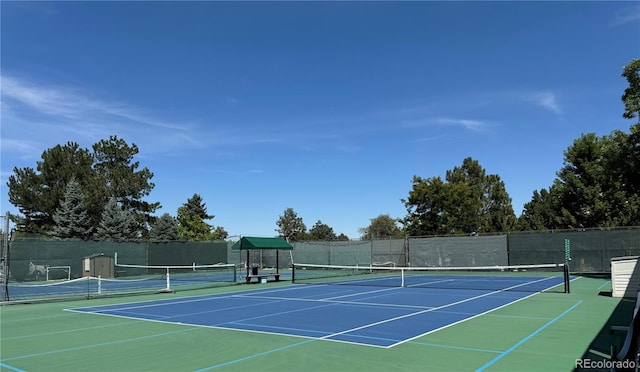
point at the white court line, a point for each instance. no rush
(378, 304)
(430, 310)
(432, 282)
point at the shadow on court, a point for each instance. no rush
(600, 348)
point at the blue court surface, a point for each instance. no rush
(372, 316)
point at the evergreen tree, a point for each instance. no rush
(599, 183)
(120, 178)
(71, 218)
(192, 227)
(631, 96)
(290, 226)
(469, 201)
(487, 208)
(342, 237)
(539, 213)
(594, 188)
(192, 223)
(321, 231)
(381, 226)
(117, 224)
(195, 206)
(109, 171)
(38, 192)
(164, 228)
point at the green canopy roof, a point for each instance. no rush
(247, 243)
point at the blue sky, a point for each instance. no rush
(329, 108)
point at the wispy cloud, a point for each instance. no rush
(463, 110)
(36, 115)
(20, 147)
(545, 99)
(626, 15)
(429, 139)
(474, 125)
(67, 103)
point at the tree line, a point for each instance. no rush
(100, 194)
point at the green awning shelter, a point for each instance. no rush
(249, 243)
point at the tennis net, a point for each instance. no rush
(175, 276)
(524, 278)
(131, 279)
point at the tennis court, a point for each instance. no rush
(349, 312)
(280, 326)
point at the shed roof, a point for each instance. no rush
(248, 242)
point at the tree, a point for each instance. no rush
(596, 187)
(630, 158)
(469, 201)
(164, 228)
(219, 233)
(107, 172)
(342, 237)
(426, 207)
(599, 183)
(631, 96)
(381, 226)
(117, 223)
(539, 213)
(71, 218)
(629, 161)
(631, 100)
(192, 227)
(321, 231)
(290, 226)
(486, 205)
(191, 221)
(38, 192)
(196, 206)
(121, 180)
(582, 184)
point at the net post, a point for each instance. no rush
(235, 273)
(293, 272)
(567, 288)
(168, 289)
(402, 277)
(99, 284)
(567, 260)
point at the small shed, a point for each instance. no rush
(98, 265)
(256, 243)
(625, 276)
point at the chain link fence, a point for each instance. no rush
(31, 259)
